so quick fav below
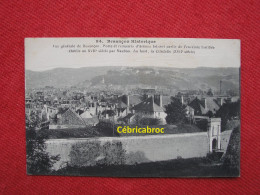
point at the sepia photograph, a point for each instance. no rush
(132, 107)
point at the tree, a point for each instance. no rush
(107, 128)
(232, 155)
(38, 160)
(210, 92)
(137, 118)
(114, 153)
(210, 114)
(228, 111)
(94, 153)
(149, 121)
(175, 112)
(85, 153)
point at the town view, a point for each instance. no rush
(72, 117)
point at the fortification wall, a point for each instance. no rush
(144, 148)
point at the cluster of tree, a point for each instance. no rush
(107, 128)
(38, 160)
(141, 120)
(175, 112)
(150, 121)
(232, 156)
(228, 111)
(94, 153)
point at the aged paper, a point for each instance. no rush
(133, 107)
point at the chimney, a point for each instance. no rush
(204, 102)
(182, 100)
(158, 100)
(220, 101)
(127, 101)
(152, 101)
(220, 85)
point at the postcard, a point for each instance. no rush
(132, 107)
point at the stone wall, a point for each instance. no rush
(144, 148)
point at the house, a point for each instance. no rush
(50, 111)
(128, 119)
(93, 121)
(204, 105)
(122, 109)
(67, 118)
(28, 105)
(108, 114)
(189, 111)
(89, 118)
(153, 107)
(232, 99)
(86, 114)
(126, 103)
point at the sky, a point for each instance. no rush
(48, 53)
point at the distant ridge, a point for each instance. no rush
(179, 78)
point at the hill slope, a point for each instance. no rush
(192, 78)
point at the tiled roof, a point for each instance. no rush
(128, 116)
(135, 99)
(71, 118)
(198, 105)
(121, 105)
(212, 104)
(91, 121)
(62, 110)
(86, 114)
(148, 106)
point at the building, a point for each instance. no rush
(153, 107)
(67, 118)
(214, 133)
(204, 105)
(125, 104)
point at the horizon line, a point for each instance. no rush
(128, 66)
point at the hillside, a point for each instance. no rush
(176, 78)
(62, 77)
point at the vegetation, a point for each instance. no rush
(113, 153)
(210, 92)
(232, 156)
(71, 133)
(175, 112)
(38, 160)
(94, 153)
(102, 129)
(193, 167)
(85, 154)
(149, 121)
(227, 112)
(107, 128)
(109, 165)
